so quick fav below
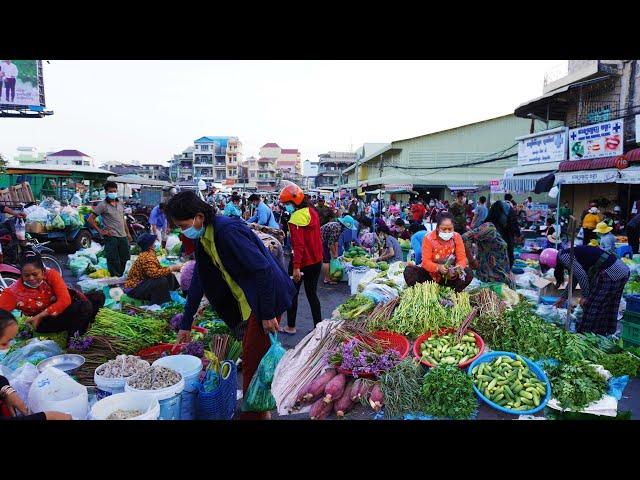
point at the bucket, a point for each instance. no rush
(127, 401)
(54, 390)
(108, 386)
(189, 367)
(170, 399)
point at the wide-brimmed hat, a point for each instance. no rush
(593, 210)
(602, 228)
(553, 238)
(347, 221)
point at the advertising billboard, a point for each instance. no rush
(21, 84)
(597, 140)
(543, 147)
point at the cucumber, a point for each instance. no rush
(492, 383)
(527, 401)
(536, 399)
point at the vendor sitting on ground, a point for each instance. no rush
(401, 230)
(42, 295)
(390, 250)
(444, 260)
(491, 262)
(147, 279)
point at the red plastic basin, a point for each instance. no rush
(396, 341)
(420, 340)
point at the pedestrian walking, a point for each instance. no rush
(503, 216)
(159, 224)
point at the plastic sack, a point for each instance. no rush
(57, 223)
(54, 390)
(108, 302)
(87, 254)
(173, 241)
(22, 378)
(335, 270)
(259, 397)
(33, 352)
(177, 298)
(379, 292)
(78, 265)
(89, 285)
(36, 213)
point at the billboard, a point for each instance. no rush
(543, 147)
(21, 84)
(597, 140)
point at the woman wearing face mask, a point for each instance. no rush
(239, 277)
(444, 259)
(306, 252)
(148, 280)
(42, 295)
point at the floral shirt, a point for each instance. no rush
(492, 256)
(330, 232)
(146, 266)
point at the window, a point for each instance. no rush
(204, 148)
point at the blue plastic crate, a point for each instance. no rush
(633, 303)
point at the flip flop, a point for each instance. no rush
(288, 333)
(330, 283)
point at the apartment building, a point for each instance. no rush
(216, 159)
(330, 167)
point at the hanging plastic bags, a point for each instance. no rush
(259, 397)
(335, 270)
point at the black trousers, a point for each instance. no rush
(76, 318)
(10, 89)
(310, 280)
(633, 236)
(155, 290)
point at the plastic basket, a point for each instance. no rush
(396, 341)
(221, 403)
(633, 306)
(420, 340)
(487, 357)
(630, 331)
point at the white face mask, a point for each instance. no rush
(445, 235)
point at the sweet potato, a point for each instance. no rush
(320, 410)
(354, 394)
(376, 400)
(316, 389)
(344, 403)
(365, 391)
(335, 388)
(302, 394)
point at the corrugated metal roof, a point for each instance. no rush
(68, 153)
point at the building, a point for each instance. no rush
(437, 164)
(69, 157)
(598, 101)
(181, 166)
(251, 165)
(309, 172)
(286, 162)
(29, 155)
(216, 159)
(330, 167)
(154, 171)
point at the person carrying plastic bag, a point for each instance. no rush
(259, 397)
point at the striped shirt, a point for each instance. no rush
(616, 271)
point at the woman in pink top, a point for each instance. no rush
(444, 259)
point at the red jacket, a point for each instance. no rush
(418, 211)
(306, 241)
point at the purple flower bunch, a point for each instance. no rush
(194, 348)
(175, 322)
(352, 356)
(78, 343)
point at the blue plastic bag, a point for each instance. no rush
(33, 352)
(259, 397)
(177, 298)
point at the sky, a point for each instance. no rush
(149, 110)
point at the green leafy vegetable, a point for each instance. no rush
(402, 387)
(355, 306)
(576, 385)
(449, 393)
(620, 364)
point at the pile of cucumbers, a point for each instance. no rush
(445, 350)
(509, 383)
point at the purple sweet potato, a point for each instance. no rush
(344, 403)
(376, 400)
(302, 394)
(365, 391)
(335, 388)
(354, 394)
(316, 389)
(320, 410)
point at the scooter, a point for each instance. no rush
(136, 228)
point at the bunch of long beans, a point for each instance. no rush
(420, 310)
(381, 315)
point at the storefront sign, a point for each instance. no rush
(630, 175)
(543, 147)
(599, 140)
(395, 186)
(497, 185)
(586, 176)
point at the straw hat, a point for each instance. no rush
(602, 228)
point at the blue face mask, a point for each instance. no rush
(192, 232)
(112, 196)
(289, 208)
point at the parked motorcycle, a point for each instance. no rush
(135, 226)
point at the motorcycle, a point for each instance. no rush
(135, 227)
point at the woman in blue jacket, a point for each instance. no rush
(238, 275)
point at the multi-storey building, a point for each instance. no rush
(181, 166)
(330, 167)
(286, 162)
(216, 159)
(154, 171)
(69, 157)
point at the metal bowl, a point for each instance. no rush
(68, 363)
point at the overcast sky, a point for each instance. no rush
(149, 110)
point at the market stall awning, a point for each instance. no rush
(138, 180)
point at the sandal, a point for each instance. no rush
(330, 283)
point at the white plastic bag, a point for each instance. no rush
(54, 390)
(20, 229)
(22, 379)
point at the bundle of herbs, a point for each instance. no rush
(402, 389)
(576, 385)
(624, 363)
(449, 393)
(355, 306)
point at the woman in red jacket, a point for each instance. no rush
(306, 252)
